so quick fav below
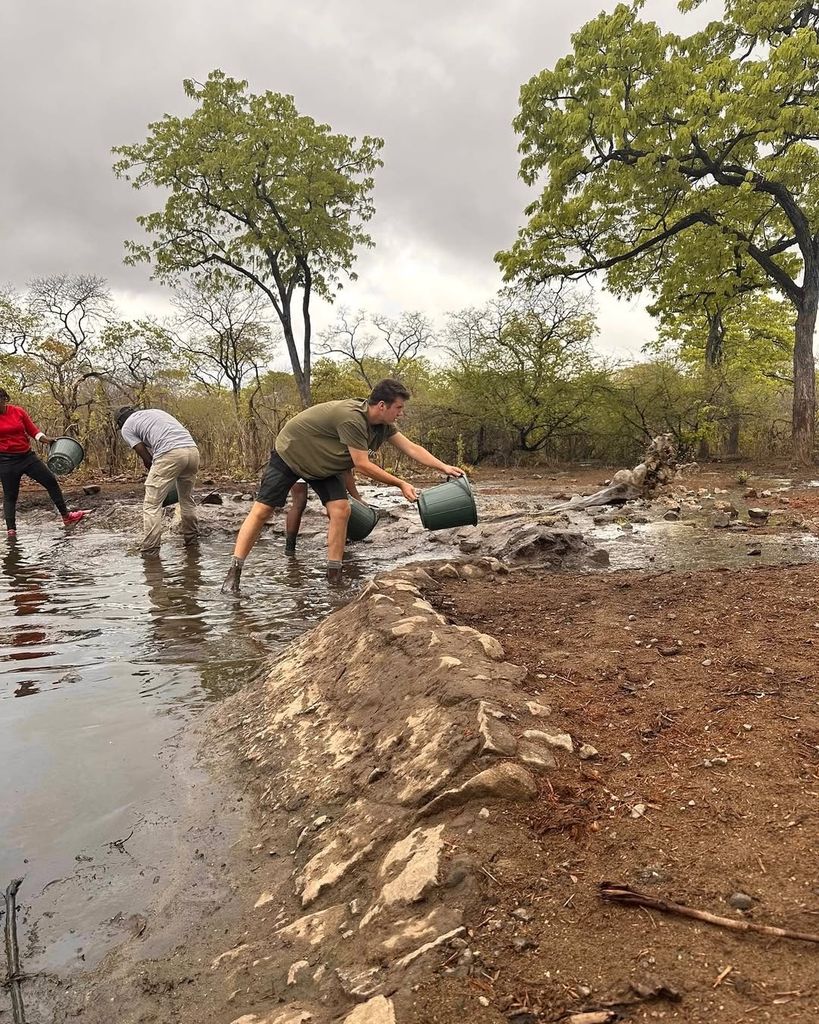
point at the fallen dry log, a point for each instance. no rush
(13, 952)
(614, 893)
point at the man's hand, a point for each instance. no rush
(408, 491)
(47, 441)
(453, 471)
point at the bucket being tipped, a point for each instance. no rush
(64, 455)
(449, 504)
(362, 520)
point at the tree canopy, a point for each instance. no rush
(655, 146)
(258, 191)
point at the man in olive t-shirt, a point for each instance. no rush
(320, 445)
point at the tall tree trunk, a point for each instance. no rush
(715, 342)
(804, 373)
(734, 424)
(302, 381)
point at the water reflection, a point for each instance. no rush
(28, 597)
(177, 617)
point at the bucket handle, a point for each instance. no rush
(462, 479)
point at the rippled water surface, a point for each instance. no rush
(105, 655)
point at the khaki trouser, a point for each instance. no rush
(178, 466)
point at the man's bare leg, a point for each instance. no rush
(248, 535)
(292, 523)
(338, 513)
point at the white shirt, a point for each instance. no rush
(157, 430)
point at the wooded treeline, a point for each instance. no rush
(515, 382)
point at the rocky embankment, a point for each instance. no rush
(390, 742)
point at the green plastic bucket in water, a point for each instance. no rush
(449, 504)
(171, 498)
(362, 520)
(64, 455)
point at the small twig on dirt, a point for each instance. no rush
(13, 952)
(722, 976)
(490, 875)
(120, 843)
(614, 893)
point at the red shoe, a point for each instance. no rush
(74, 517)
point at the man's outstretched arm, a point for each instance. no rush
(420, 454)
(363, 464)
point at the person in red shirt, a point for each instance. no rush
(18, 460)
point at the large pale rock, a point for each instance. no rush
(375, 1011)
(314, 928)
(414, 932)
(441, 940)
(560, 740)
(288, 1016)
(419, 855)
(329, 866)
(496, 737)
(501, 782)
(536, 757)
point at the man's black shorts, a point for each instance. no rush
(278, 478)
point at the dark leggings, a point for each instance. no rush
(12, 470)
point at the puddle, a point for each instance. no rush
(665, 545)
(105, 658)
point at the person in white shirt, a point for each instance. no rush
(170, 455)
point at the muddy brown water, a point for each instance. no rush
(106, 661)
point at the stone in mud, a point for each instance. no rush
(419, 855)
(442, 940)
(359, 984)
(720, 520)
(312, 929)
(379, 1010)
(497, 738)
(758, 516)
(288, 1016)
(740, 901)
(600, 557)
(90, 489)
(536, 757)
(561, 740)
(501, 782)
(213, 498)
(412, 932)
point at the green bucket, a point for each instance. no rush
(362, 520)
(448, 504)
(64, 455)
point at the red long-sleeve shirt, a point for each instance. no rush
(16, 427)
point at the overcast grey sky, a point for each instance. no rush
(437, 79)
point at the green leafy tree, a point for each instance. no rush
(646, 137)
(259, 191)
(523, 361)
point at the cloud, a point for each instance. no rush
(438, 81)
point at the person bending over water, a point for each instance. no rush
(18, 460)
(320, 445)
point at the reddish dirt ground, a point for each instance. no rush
(700, 693)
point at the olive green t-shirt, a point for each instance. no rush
(315, 443)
